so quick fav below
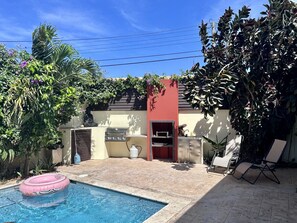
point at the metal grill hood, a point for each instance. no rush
(116, 134)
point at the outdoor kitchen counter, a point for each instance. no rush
(100, 148)
(121, 149)
(136, 136)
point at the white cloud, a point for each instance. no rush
(68, 19)
(13, 31)
(10, 30)
(133, 13)
(133, 21)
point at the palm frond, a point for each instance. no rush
(61, 53)
(43, 42)
(90, 66)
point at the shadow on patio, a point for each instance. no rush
(206, 197)
(232, 200)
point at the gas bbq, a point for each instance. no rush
(116, 134)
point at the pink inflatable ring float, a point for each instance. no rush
(44, 184)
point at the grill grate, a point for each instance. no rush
(116, 134)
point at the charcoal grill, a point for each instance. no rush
(116, 134)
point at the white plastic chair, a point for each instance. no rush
(230, 155)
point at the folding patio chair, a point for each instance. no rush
(267, 164)
(230, 155)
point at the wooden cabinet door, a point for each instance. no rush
(83, 144)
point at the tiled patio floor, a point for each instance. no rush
(192, 194)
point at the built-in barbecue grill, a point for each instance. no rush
(116, 134)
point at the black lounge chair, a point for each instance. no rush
(267, 164)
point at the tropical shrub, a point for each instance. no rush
(38, 95)
(251, 64)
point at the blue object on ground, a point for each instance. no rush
(76, 158)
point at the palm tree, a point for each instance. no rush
(70, 68)
(49, 49)
(45, 95)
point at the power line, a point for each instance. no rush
(133, 44)
(134, 48)
(137, 45)
(119, 46)
(16, 41)
(144, 56)
(149, 61)
(139, 40)
(177, 30)
(163, 32)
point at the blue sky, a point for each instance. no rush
(105, 30)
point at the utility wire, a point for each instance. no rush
(163, 32)
(178, 30)
(134, 48)
(139, 40)
(133, 44)
(148, 42)
(16, 41)
(144, 56)
(149, 61)
(145, 34)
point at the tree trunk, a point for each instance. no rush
(251, 138)
(26, 166)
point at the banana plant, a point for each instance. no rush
(218, 146)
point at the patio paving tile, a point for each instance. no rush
(192, 194)
(208, 197)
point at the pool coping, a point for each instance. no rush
(168, 213)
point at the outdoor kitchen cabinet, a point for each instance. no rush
(90, 143)
(190, 150)
(81, 144)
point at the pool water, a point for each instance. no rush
(79, 203)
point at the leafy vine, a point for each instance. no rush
(104, 90)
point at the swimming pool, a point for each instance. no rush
(79, 203)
